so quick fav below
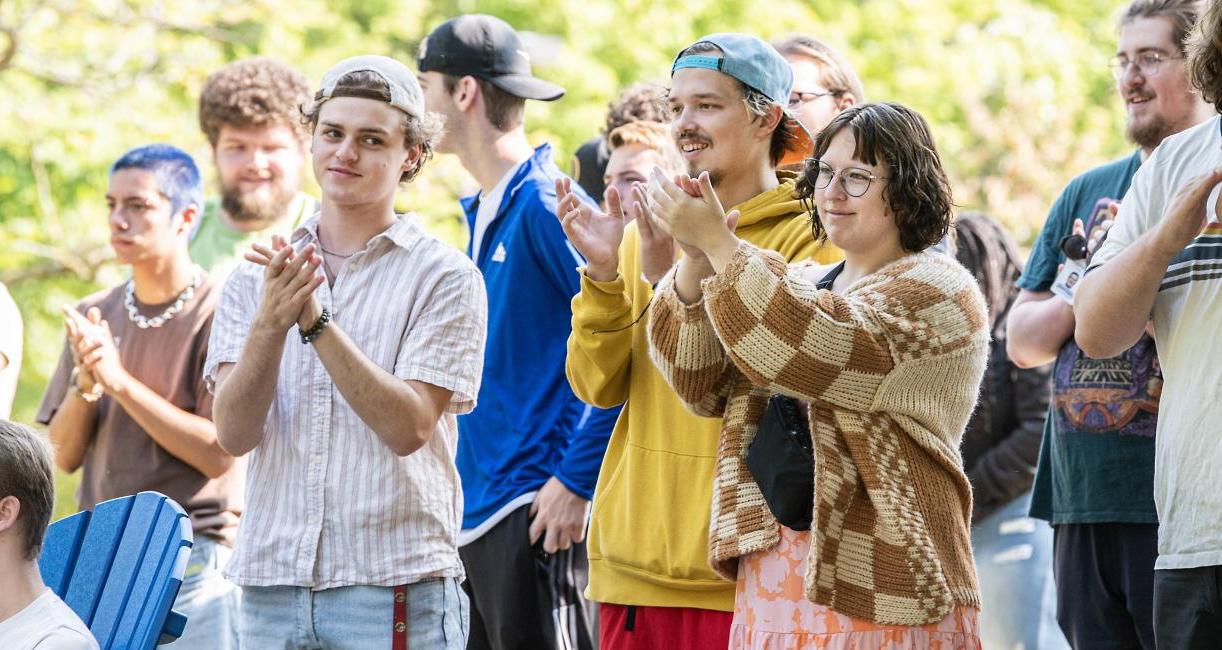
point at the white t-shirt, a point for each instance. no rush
(10, 347)
(489, 205)
(1187, 315)
(46, 624)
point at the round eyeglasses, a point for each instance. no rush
(855, 181)
(1148, 64)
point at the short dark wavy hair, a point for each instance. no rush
(917, 190)
(1205, 55)
(254, 92)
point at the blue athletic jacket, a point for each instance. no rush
(527, 425)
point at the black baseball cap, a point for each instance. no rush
(485, 47)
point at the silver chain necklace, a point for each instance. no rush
(134, 315)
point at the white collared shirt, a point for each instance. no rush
(327, 503)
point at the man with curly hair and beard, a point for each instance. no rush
(1160, 263)
(250, 110)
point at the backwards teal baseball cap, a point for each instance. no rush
(747, 59)
(759, 66)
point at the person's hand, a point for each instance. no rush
(289, 281)
(1186, 217)
(596, 235)
(694, 220)
(558, 516)
(1097, 232)
(657, 246)
(96, 350)
(76, 337)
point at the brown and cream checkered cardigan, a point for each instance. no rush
(891, 369)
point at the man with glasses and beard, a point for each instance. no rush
(1158, 272)
(250, 111)
(1095, 476)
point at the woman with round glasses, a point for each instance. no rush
(885, 350)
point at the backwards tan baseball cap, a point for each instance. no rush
(405, 93)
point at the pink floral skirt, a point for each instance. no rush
(771, 611)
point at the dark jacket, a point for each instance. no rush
(1002, 442)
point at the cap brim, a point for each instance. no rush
(528, 87)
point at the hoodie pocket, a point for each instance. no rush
(653, 516)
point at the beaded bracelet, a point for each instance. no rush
(308, 336)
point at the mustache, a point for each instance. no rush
(691, 136)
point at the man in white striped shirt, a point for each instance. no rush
(353, 501)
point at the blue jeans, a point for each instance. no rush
(431, 614)
(1014, 565)
(208, 600)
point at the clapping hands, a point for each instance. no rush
(94, 350)
(598, 235)
(289, 281)
(688, 210)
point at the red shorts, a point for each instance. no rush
(622, 627)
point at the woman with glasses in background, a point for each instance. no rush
(884, 352)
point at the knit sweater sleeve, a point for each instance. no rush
(792, 338)
(686, 351)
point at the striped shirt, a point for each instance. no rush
(327, 503)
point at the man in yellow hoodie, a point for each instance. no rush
(648, 537)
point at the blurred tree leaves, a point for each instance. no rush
(1017, 91)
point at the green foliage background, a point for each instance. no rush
(1017, 91)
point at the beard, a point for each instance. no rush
(1148, 133)
(252, 207)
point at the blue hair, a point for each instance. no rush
(177, 176)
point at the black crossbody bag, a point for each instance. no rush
(781, 458)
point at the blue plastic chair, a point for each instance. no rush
(119, 568)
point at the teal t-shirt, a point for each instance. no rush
(1096, 462)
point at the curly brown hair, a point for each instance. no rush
(424, 131)
(917, 190)
(643, 101)
(1205, 55)
(253, 92)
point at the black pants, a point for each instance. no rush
(1105, 584)
(523, 598)
(1188, 608)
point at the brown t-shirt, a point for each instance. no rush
(122, 459)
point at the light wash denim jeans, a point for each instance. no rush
(360, 618)
(208, 600)
(1014, 565)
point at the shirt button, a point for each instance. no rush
(400, 627)
(400, 597)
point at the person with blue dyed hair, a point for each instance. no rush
(174, 171)
(127, 403)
